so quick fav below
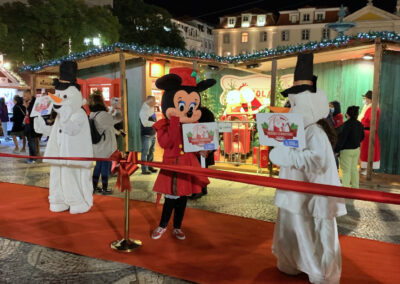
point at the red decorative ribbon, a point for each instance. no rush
(299, 186)
(128, 166)
(125, 168)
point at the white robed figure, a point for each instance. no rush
(70, 181)
(306, 237)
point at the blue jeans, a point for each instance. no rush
(148, 144)
(102, 168)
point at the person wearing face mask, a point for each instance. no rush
(337, 115)
(305, 234)
(365, 118)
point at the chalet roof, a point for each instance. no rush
(9, 79)
(346, 47)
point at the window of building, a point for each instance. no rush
(305, 34)
(306, 17)
(205, 44)
(320, 17)
(246, 21)
(231, 22)
(263, 36)
(261, 20)
(326, 33)
(209, 31)
(285, 35)
(226, 38)
(293, 19)
(245, 37)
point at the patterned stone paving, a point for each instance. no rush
(26, 263)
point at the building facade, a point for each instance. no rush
(371, 18)
(257, 29)
(244, 32)
(197, 35)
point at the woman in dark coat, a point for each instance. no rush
(19, 112)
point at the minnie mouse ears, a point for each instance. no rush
(182, 77)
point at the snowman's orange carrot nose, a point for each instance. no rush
(55, 99)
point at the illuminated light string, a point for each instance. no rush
(280, 50)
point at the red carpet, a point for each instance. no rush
(219, 248)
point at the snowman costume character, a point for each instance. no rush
(70, 181)
(305, 235)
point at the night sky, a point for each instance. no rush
(210, 10)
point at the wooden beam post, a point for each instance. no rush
(33, 84)
(375, 101)
(124, 98)
(273, 82)
(272, 101)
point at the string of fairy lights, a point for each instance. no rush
(241, 58)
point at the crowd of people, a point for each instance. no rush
(305, 236)
(351, 148)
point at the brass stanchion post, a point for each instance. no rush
(126, 244)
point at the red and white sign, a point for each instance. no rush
(200, 136)
(285, 129)
(42, 106)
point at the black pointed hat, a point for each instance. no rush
(303, 71)
(368, 95)
(68, 74)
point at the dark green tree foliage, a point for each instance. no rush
(3, 29)
(42, 29)
(145, 24)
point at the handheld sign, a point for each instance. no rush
(42, 106)
(281, 129)
(200, 136)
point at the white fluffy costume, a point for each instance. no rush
(305, 236)
(70, 181)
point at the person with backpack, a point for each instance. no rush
(103, 139)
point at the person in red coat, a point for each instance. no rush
(180, 104)
(365, 118)
(336, 114)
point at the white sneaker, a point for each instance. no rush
(364, 172)
(157, 233)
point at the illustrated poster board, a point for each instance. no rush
(200, 136)
(281, 129)
(43, 106)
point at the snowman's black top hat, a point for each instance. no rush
(68, 74)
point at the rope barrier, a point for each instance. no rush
(129, 165)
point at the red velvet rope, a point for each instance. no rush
(130, 166)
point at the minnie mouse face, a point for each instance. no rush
(185, 107)
(181, 101)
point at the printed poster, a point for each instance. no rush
(43, 106)
(281, 129)
(200, 136)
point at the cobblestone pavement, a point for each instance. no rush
(26, 263)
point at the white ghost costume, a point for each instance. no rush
(70, 181)
(305, 236)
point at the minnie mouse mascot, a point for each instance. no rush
(180, 104)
